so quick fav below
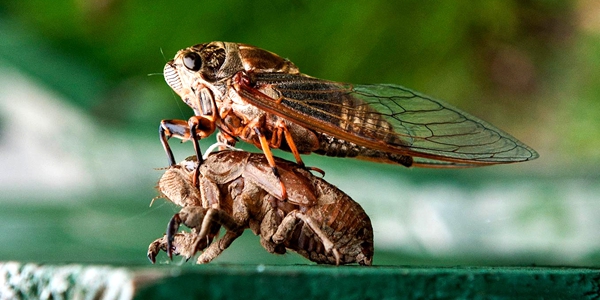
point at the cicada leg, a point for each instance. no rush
(233, 231)
(192, 217)
(183, 244)
(172, 128)
(201, 126)
(269, 155)
(292, 145)
(207, 222)
(193, 128)
(286, 228)
(289, 140)
(202, 220)
(216, 248)
(172, 228)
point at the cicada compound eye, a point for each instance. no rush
(192, 61)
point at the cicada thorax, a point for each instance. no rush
(257, 60)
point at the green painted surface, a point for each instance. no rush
(328, 282)
(238, 281)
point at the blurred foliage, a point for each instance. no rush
(524, 65)
(527, 66)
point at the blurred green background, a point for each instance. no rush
(82, 94)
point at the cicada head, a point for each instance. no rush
(176, 184)
(200, 74)
(196, 74)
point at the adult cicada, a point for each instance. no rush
(261, 98)
(237, 190)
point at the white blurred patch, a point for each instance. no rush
(553, 219)
(51, 149)
(39, 143)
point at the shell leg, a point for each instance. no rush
(205, 221)
(183, 244)
(215, 249)
(286, 228)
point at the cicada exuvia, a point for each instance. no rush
(261, 98)
(237, 191)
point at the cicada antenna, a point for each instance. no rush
(164, 58)
(162, 53)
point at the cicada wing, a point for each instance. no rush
(388, 118)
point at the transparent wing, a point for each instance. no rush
(388, 118)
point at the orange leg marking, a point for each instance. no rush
(294, 149)
(291, 144)
(269, 155)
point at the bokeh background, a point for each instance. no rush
(82, 94)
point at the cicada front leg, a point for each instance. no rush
(183, 244)
(200, 126)
(172, 128)
(207, 223)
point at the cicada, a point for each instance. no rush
(237, 190)
(261, 98)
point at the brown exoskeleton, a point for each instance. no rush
(237, 190)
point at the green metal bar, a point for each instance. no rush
(222, 281)
(354, 282)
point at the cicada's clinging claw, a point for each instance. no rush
(172, 228)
